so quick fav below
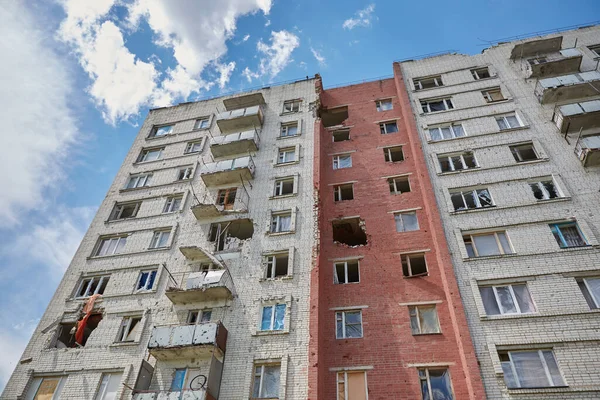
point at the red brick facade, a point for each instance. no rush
(388, 351)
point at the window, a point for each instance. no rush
(349, 231)
(406, 222)
(384, 105)
(352, 385)
(429, 106)
(424, 319)
(137, 181)
(348, 324)
(530, 369)
(286, 155)
(284, 186)
(568, 234)
(524, 152)
(458, 162)
(273, 317)
(46, 388)
(446, 132)
(160, 239)
(66, 333)
(185, 173)
(266, 381)
(289, 129)
(471, 199)
(393, 154)
(342, 161)
(90, 286)
(193, 147)
(199, 316)
(480, 73)
(595, 49)
(202, 123)
(487, 244)
(343, 192)
(545, 190)
(277, 265)
(226, 198)
(435, 384)
(399, 184)
(110, 246)
(150, 154)
(493, 95)
(291, 106)
(509, 121)
(388, 127)
(130, 328)
(427, 83)
(159, 131)
(590, 287)
(537, 60)
(346, 272)
(173, 203)
(146, 280)
(507, 299)
(109, 386)
(125, 210)
(413, 265)
(341, 135)
(184, 380)
(281, 222)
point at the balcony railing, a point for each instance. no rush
(224, 202)
(227, 171)
(568, 87)
(588, 150)
(187, 341)
(171, 395)
(234, 143)
(573, 117)
(192, 287)
(240, 119)
(534, 47)
(563, 62)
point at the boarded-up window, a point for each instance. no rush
(352, 385)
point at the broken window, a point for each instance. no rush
(111, 245)
(46, 388)
(199, 316)
(291, 106)
(341, 135)
(458, 162)
(202, 123)
(349, 231)
(66, 332)
(348, 324)
(384, 105)
(537, 60)
(273, 317)
(446, 132)
(277, 265)
(139, 180)
(130, 328)
(173, 203)
(334, 116)
(158, 131)
(226, 198)
(435, 384)
(281, 222)
(90, 286)
(343, 192)
(289, 129)
(346, 272)
(146, 280)
(266, 381)
(393, 154)
(471, 199)
(590, 287)
(388, 127)
(413, 265)
(424, 319)
(406, 221)
(193, 147)
(427, 83)
(509, 121)
(160, 239)
(150, 154)
(109, 386)
(429, 106)
(480, 73)
(595, 50)
(352, 385)
(493, 95)
(185, 173)
(342, 161)
(530, 369)
(568, 234)
(545, 190)
(187, 380)
(125, 210)
(284, 186)
(487, 244)
(231, 234)
(506, 299)
(286, 155)
(399, 184)
(524, 152)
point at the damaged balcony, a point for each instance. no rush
(334, 116)
(240, 119)
(202, 286)
(568, 87)
(563, 62)
(349, 231)
(187, 341)
(577, 116)
(536, 47)
(234, 143)
(226, 201)
(189, 394)
(230, 235)
(587, 149)
(227, 171)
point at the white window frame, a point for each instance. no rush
(189, 147)
(446, 101)
(146, 288)
(143, 157)
(261, 374)
(584, 280)
(498, 242)
(462, 161)
(336, 278)
(336, 161)
(118, 245)
(408, 257)
(271, 328)
(198, 124)
(545, 193)
(337, 192)
(344, 381)
(115, 215)
(477, 200)
(105, 383)
(513, 298)
(170, 202)
(437, 80)
(396, 180)
(415, 311)
(383, 129)
(505, 120)
(294, 106)
(428, 380)
(398, 218)
(125, 328)
(475, 73)
(487, 95)
(37, 381)
(201, 316)
(279, 183)
(276, 219)
(156, 128)
(515, 150)
(186, 173)
(342, 315)
(271, 263)
(141, 180)
(90, 279)
(157, 238)
(284, 154)
(387, 152)
(452, 132)
(284, 132)
(379, 103)
(544, 365)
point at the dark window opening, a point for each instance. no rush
(226, 198)
(393, 154)
(524, 152)
(340, 136)
(231, 234)
(399, 185)
(349, 231)
(277, 265)
(333, 116)
(413, 265)
(343, 192)
(346, 272)
(66, 332)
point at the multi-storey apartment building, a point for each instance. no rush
(192, 281)
(512, 137)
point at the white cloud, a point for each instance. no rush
(361, 18)
(318, 56)
(225, 71)
(275, 56)
(249, 75)
(245, 39)
(268, 23)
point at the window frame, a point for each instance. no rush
(399, 217)
(543, 362)
(261, 375)
(461, 156)
(103, 387)
(145, 177)
(199, 316)
(271, 264)
(157, 128)
(37, 381)
(118, 209)
(476, 199)
(446, 101)
(224, 196)
(427, 379)
(157, 238)
(595, 302)
(189, 147)
(103, 281)
(185, 174)
(437, 82)
(282, 155)
(488, 95)
(276, 219)
(542, 188)
(152, 278)
(279, 185)
(380, 102)
(285, 128)
(387, 153)
(198, 123)
(170, 203)
(475, 73)
(383, 127)
(395, 180)
(555, 228)
(272, 326)
(125, 328)
(342, 314)
(345, 383)
(295, 106)
(336, 277)
(118, 245)
(336, 161)
(505, 121)
(595, 49)
(416, 309)
(497, 239)
(143, 156)
(338, 190)
(518, 157)
(513, 297)
(405, 259)
(451, 130)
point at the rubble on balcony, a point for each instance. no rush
(226, 201)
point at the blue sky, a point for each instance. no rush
(78, 78)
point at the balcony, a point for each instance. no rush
(187, 341)
(204, 286)
(573, 117)
(241, 119)
(568, 87)
(227, 171)
(234, 143)
(172, 395)
(564, 62)
(536, 47)
(588, 150)
(225, 202)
